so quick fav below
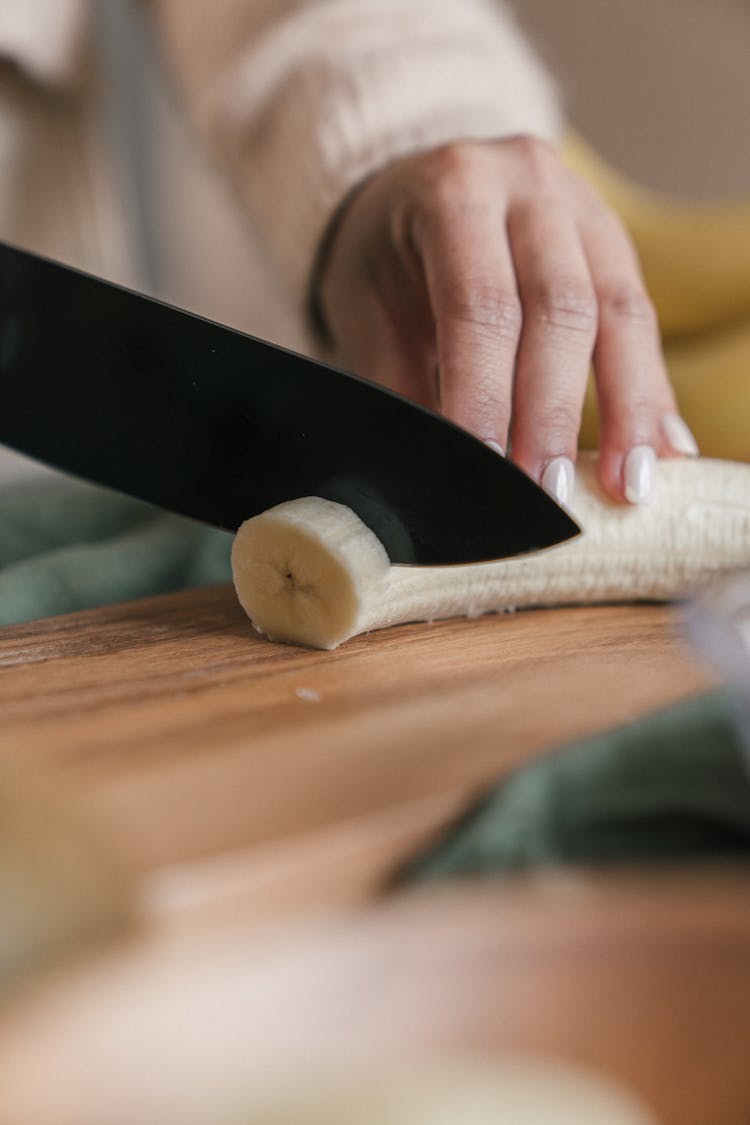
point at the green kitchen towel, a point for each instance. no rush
(672, 787)
(66, 545)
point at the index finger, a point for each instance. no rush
(472, 290)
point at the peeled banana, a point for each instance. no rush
(310, 572)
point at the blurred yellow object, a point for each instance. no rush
(711, 375)
(508, 1090)
(696, 263)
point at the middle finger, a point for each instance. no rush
(557, 341)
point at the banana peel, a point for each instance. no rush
(695, 259)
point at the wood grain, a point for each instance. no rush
(181, 731)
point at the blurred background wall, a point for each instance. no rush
(661, 86)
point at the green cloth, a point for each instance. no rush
(66, 545)
(673, 787)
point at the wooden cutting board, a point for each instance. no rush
(245, 781)
(301, 775)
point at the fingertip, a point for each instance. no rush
(629, 476)
(559, 480)
(552, 465)
(639, 474)
(495, 446)
(610, 476)
(678, 435)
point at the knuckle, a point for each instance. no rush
(566, 304)
(556, 421)
(455, 178)
(455, 161)
(489, 309)
(628, 301)
(450, 187)
(539, 158)
(602, 219)
(639, 408)
(629, 420)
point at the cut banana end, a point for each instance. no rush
(310, 572)
(304, 570)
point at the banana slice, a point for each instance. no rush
(310, 572)
(306, 570)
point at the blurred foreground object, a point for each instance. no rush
(644, 980)
(521, 1090)
(59, 891)
(719, 626)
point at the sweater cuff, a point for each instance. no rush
(44, 38)
(341, 89)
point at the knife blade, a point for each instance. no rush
(200, 419)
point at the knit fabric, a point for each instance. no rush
(300, 100)
(304, 104)
(43, 37)
(67, 546)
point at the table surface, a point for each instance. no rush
(243, 779)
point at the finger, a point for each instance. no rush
(638, 414)
(472, 291)
(559, 330)
(384, 349)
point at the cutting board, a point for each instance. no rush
(249, 785)
(298, 775)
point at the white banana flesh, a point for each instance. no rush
(306, 572)
(310, 572)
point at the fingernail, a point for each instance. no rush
(559, 479)
(677, 433)
(639, 474)
(497, 448)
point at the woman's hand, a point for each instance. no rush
(482, 279)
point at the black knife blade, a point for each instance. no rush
(208, 422)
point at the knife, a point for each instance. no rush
(211, 423)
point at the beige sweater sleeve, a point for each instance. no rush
(305, 98)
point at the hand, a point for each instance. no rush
(482, 279)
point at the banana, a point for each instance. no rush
(695, 259)
(310, 572)
(710, 373)
(695, 256)
(305, 570)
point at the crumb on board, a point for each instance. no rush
(308, 694)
